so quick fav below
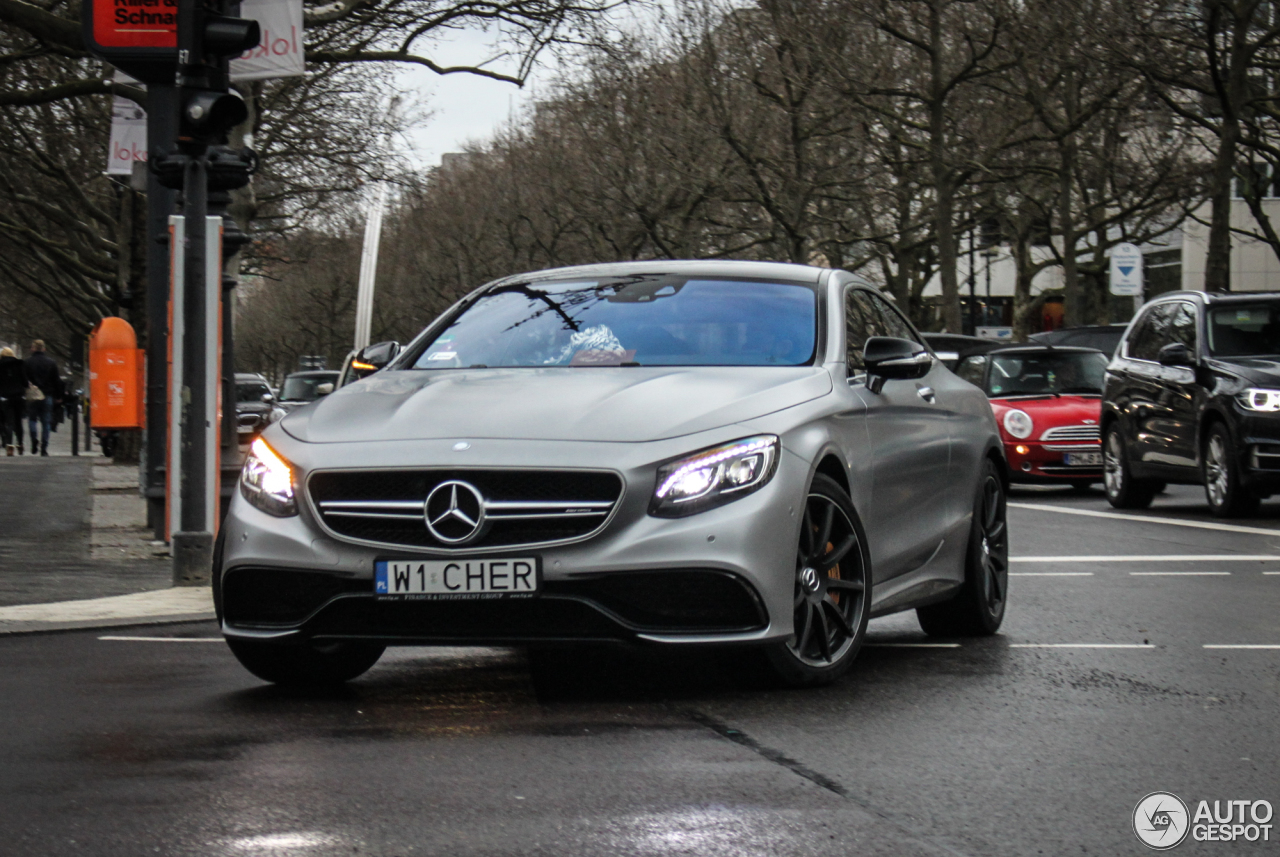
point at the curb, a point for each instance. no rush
(158, 606)
(16, 629)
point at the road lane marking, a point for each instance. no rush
(1245, 646)
(1203, 525)
(1179, 573)
(1155, 558)
(1081, 646)
(164, 639)
(1051, 574)
(1271, 572)
(914, 645)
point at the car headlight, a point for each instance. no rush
(267, 481)
(277, 414)
(714, 476)
(1261, 400)
(1018, 423)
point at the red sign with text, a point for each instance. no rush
(135, 23)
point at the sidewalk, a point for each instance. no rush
(75, 550)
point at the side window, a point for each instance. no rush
(972, 369)
(855, 330)
(892, 324)
(1183, 328)
(1152, 333)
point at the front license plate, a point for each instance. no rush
(445, 579)
(1082, 459)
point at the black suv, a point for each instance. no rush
(1193, 396)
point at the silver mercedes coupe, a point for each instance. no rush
(700, 453)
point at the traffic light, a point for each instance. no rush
(207, 39)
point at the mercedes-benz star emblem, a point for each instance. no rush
(454, 512)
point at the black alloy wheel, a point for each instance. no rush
(978, 608)
(1227, 496)
(1123, 490)
(832, 591)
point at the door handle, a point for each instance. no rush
(926, 393)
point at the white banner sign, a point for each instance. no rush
(280, 53)
(128, 135)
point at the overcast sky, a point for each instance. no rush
(466, 107)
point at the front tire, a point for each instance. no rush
(1223, 486)
(832, 591)
(978, 609)
(306, 665)
(1123, 490)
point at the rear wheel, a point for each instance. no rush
(978, 609)
(1223, 487)
(1123, 490)
(831, 591)
(306, 665)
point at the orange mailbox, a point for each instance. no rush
(115, 376)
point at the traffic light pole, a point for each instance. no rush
(198, 431)
(162, 125)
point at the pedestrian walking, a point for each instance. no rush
(13, 388)
(44, 385)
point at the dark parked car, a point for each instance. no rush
(952, 348)
(301, 388)
(1104, 337)
(1193, 397)
(255, 405)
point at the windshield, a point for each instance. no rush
(251, 391)
(303, 389)
(1046, 373)
(647, 321)
(1249, 330)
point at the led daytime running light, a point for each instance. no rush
(713, 457)
(1261, 400)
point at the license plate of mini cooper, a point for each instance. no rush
(457, 579)
(1082, 459)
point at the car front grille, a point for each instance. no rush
(1083, 432)
(521, 507)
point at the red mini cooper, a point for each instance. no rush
(1047, 402)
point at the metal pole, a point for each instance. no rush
(193, 543)
(162, 127)
(369, 269)
(973, 298)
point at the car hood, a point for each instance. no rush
(625, 404)
(1049, 411)
(1262, 371)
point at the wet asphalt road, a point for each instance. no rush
(991, 747)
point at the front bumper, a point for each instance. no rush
(1042, 462)
(724, 575)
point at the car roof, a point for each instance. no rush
(704, 267)
(1220, 297)
(250, 376)
(311, 373)
(1047, 349)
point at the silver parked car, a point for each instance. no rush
(676, 453)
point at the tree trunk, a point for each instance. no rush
(944, 190)
(1073, 311)
(1217, 271)
(1022, 303)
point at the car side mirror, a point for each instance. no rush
(268, 398)
(1175, 354)
(324, 389)
(374, 357)
(888, 357)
